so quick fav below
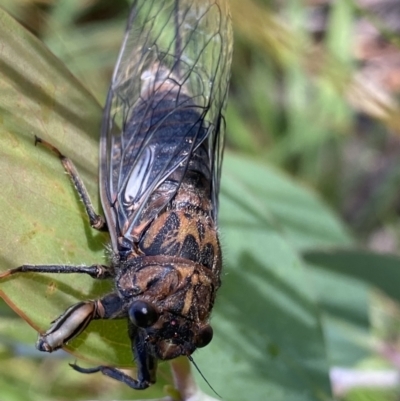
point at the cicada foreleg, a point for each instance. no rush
(96, 221)
(115, 374)
(146, 364)
(76, 318)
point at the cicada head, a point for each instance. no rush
(169, 336)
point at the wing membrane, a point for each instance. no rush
(163, 110)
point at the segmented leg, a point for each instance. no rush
(76, 318)
(96, 221)
(146, 363)
(95, 271)
(114, 374)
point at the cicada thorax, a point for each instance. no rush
(185, 230)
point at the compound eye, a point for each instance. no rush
(142, 314)
(204, 336)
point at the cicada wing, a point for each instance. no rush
(163, 110)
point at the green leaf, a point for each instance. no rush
(344, 305)
(289, 208)
(304, 221)
(379, 270)
(353, 271)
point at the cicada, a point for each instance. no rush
(160, 164)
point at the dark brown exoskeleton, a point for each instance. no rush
(160, 162)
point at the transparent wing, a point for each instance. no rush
(164, 110)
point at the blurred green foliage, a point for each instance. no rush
(311, 123)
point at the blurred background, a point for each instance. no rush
(314, 92)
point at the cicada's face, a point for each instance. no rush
(172, 336)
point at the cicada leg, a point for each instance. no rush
(114, 374)
(146, 364)
(76, 318)
(96, 221)
(95, 271)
